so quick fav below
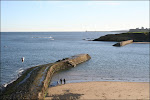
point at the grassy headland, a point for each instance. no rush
(135, 36)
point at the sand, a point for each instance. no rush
(100, 90)
(142, 42)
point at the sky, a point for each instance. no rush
(25, 16)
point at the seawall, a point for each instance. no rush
(123, 43)
(34, 81)
(60, 65)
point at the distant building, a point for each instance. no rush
(140, 30)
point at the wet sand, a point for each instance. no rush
(100, 90)
(142, 42)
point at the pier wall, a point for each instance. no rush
(60, 65)
(34, 82)
(123, 43)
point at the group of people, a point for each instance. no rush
(61, 81)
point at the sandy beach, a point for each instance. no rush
(142, 42)
(100, 90)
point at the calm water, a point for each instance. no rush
(108, 63)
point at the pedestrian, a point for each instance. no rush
(57, 82)
(64, 81)
(60, 81)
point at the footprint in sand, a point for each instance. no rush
(119, 95)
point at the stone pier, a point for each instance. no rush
(34, 81)
(123, 43)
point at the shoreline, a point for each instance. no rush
(54, 82)
(142, 42)
(100, 90)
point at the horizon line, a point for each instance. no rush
(65, 31)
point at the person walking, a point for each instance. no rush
(60, 81)
(64, 81)
(57, 82)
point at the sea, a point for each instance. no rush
(129, 63)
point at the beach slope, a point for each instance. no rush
(100, 90)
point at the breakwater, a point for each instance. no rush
(34, 81)
(123, 43)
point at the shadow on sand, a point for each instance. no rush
(65, 96)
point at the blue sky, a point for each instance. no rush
(73, 15)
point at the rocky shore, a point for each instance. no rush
(33, 83)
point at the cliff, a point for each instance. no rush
(34, 81)
(136, 37)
